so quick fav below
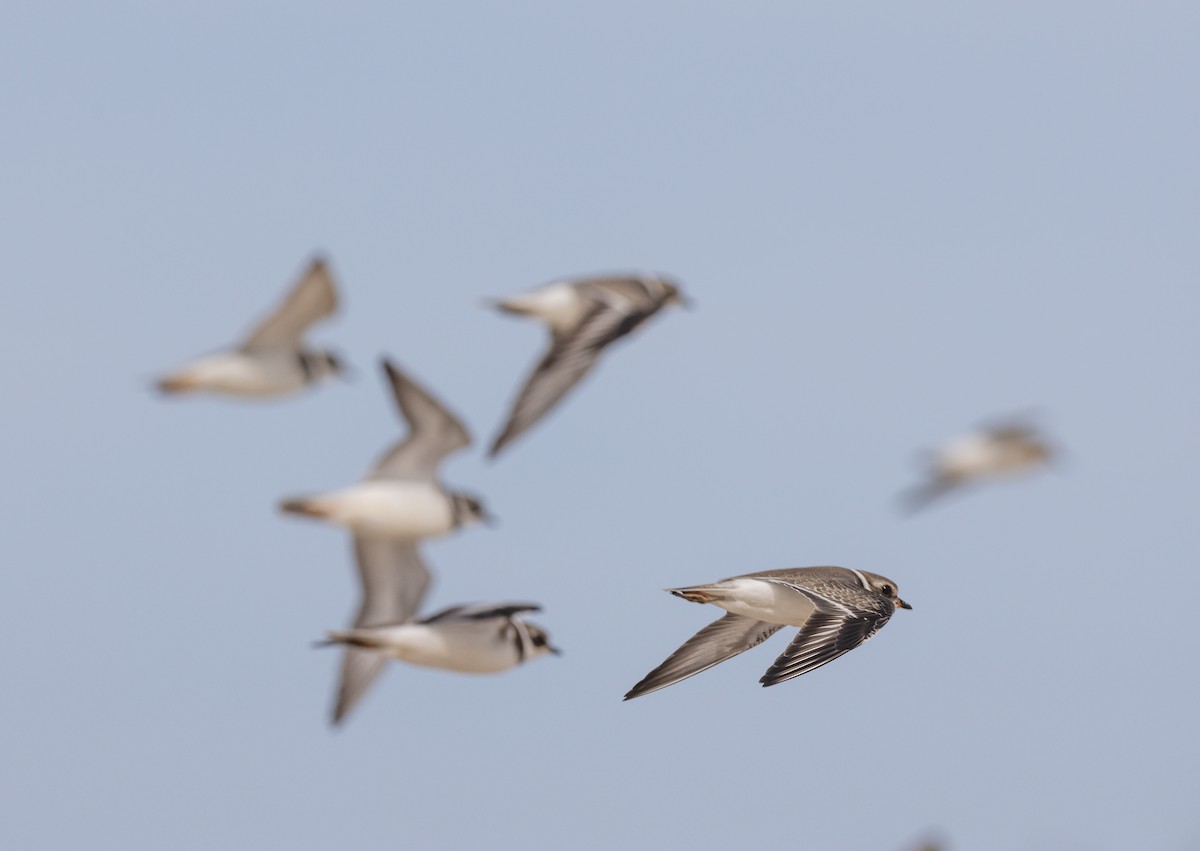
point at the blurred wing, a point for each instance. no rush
(313, 298)
(394, 582)
(481, 611)
(633, 290)
(918, 497)
(1015, 434)
(826, 635)
(1024, 420)
(570, 358)
(360, 668)
(433, 433)
(723, 639)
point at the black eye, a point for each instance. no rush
(887, 590)
(539, 641)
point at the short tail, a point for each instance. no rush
(696, 593)
(172, 384)
(352, 638)
(514, 306)
(302, 505)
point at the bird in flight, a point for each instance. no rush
(273, 360)
(472, 639)
(584, 316)
(1000, 449)
(400, 503)
(836, 608)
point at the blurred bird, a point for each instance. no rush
(930, 845)
(273, 360)
(836, 608)
(584, 316)
(400, 503)
(1001, 449)
(472, 639)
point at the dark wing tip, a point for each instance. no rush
(338, 715)
(774, 677)
(499, 443)
(342, 706)
(508, 610)
(398, 382)
(636, 691)
(652, 682)
(919, 497)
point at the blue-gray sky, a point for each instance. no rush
(896, 220)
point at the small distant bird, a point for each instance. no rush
(930, 845)
(273, 360)
(836, 608)
(584, 316)
(400, 503)
(999, 450)
(474, 639)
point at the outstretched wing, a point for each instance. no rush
(919, 496)
(481, 611)
(433, 432)
(570, 358)
(394, 583)
(312, 298)
(723, 639)
(828, 633)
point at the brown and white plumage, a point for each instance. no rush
(313, 298)
(584, 316)
(394, 582)
(272, 360)
(836, 608)
(434, 432)
(401, 497)
(472, 639)
(400, 503)
(720, 640)
(998, 450)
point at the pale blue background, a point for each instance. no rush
(896, 220)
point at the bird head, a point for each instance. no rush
(468, 508)
(540, 641)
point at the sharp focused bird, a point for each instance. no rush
(836, 608)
